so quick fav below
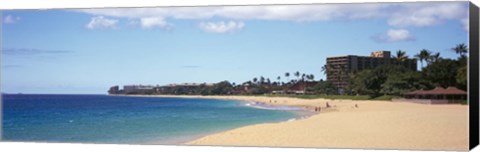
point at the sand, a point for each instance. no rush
(373, 125)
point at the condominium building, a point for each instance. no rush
(339, 68)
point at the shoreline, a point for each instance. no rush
(305, 108)
(277, 101)
(371, 125)
(309, 112)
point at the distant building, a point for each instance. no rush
(338, 68)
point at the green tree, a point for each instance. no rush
(461, 49)
(423, 56)
(259, 89)
(362, 82)
(287, 75)
(399, 83)
(401, 56)
(311, 77)
(324, 87)
(262, 80)
(223, 87)
(386, 79)
(324, 69)
(461, 78)
(205, 90)
(434, 58)
(442, 73)
(297, 74)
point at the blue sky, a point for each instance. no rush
(87, 51)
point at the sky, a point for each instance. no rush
(85, 51)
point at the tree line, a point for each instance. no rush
(390, 79)
(398, 80)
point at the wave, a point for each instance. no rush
(260, 105)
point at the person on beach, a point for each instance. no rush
(356, 106)
(328, 105)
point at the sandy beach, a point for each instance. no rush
(373, 124)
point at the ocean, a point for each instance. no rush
(129, 120)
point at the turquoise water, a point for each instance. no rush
(128, 120)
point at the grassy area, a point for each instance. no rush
(348, 97)
(385, 97)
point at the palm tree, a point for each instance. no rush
(434, 57)
(262, 80)
(328, 69)
(278, 78)
(255, 80)
(401, 56)
(287, 75)
(461, 49)
(312, 77)
(303, 76)
(309, 77)
(423, 56)
(324, 69)
(437, 55)
(297, 74)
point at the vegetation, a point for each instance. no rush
(380, 83)
(397, 80)
(442, 73)
(324, 88)
(401, 56)
(384, 80)
(348, 97)
(386, 97)
(423, 56)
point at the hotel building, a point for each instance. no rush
(339, 68)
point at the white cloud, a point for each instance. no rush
(151, 22)
(101, 22)
(221, 27)
(394, 35)
(398, 15)
(9, 19)
(423, 15)
(399, 35)
(274, 12)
